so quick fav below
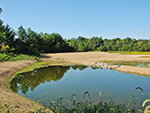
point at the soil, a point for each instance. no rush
(8, 99)
(89, 58)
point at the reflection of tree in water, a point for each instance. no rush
(80, 67)
(31, 80)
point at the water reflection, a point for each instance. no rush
(30, 80)
(49, 84)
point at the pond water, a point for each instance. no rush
(49, 84)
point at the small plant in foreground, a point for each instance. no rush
(87, 106)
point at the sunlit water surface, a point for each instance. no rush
(46, 85)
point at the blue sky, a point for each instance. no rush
(73, 18)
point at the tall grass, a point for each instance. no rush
(87, 106)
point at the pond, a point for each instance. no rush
(46, 85)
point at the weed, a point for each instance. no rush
(91, 107)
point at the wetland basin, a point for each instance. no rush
(48, 84)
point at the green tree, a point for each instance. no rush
(28, 41)
(1, 10)
(20, 42)
(73, 44)
(95, 42)
(10, 36)
(54, 43)
(2, 32)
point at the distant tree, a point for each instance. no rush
(95, 42)
(33, 41)
(148, 44)
(1, 10)
(20, 42)
(28, 42)
(54, 43)
(127, 40)
(80, 38)
(104, 49)
(10, 36)
(2, 32)
(73, 43)
(100, 47)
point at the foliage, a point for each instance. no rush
(53, 43)
(2, 32)
(116, 44)
(0, 10)
(14, 57)
(5, 49)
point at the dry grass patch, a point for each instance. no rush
(136, 53)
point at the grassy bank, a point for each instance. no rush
(125, 63)
(15, 57)
(38, 65)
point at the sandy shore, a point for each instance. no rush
(89, 58)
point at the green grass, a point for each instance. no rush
(124, 63)
(14, 57)
(41, 65)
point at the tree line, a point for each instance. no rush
(27, 41)
(116, 44)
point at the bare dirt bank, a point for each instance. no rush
(8, 99)
(12, 101)
(89, 58)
